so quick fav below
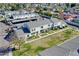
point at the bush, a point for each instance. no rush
(33, 37)
(17, 53)
(48, 14)
(26, 46)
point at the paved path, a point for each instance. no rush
(47, 35)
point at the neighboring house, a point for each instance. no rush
(74, 22)
(58, 23)
(20, 16)
(9, 13)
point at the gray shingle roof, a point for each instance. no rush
(55, 20)
(32, 24)
(38, 23)
(20, 33)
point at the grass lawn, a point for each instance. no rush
(27, 49)
(35, 47)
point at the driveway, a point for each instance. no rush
(72, 44)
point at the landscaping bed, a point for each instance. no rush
(32, 37)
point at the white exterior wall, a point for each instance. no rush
(28, 34)
(59, 24)
(37, 29)
(19, 16)
(25, 15)
(11, 12)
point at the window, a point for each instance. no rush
(41, 26)
(32, 33)
(49, 25)
(33, 29)
(27, 35)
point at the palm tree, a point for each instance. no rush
(16, 43)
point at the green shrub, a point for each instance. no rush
(26, 46)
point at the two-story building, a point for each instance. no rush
(36, 26)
